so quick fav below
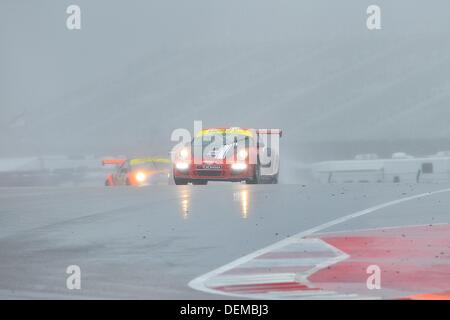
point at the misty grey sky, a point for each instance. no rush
(43, 65)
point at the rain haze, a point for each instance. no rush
(89, 179)
(139, 69)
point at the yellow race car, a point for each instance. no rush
(139, 171)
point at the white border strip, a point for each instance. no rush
(199, 283)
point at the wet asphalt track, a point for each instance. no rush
(148, 243)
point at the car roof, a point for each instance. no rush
(237, 131)
(137, 161)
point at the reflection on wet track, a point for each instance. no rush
(242, 197)
(151, 242)
(185, 193)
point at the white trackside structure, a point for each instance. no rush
(399, 168)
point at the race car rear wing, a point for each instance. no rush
(113, 162)
(269, 131)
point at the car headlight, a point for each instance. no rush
(184, 153)
(182, 165)
(141, 177)
(238, 166)
(242, 154)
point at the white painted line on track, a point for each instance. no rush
(381, 228)
(199, 283)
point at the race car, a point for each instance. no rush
(228, 154)
(139, 171)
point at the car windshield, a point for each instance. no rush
(219, 140)
(144, 166)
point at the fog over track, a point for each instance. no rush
(138, 70)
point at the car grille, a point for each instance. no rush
(209, 173)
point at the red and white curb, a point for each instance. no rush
(284, 269)
(279, 274)
(413, 261)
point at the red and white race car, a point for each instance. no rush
(229, 154)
